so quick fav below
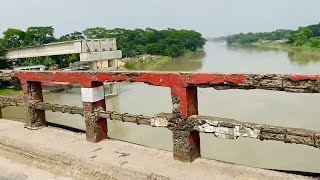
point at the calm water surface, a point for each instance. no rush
(267, 107)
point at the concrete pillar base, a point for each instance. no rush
(96, 128)
(32, 92)
(93, 99)
(186, 145)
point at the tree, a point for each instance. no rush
(2, 48)
(95, 33)
(300, 37)
(47, 61)
(259, 37)
(314, 42)
(39, 35)
(172, 47)
(72, 36)
(13, 38)
(315, 29)
(169, 42)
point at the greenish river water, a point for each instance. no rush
(267, 107)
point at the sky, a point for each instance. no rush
(210, 17)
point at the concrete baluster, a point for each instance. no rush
(32, 92)
(186, 143)
(93, 99)
(1, 112)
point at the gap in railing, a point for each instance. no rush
(263, 107)
(137, 99)
(294, 110)
(69, 120)
(14, 113)
(262, 154)
(63, 94)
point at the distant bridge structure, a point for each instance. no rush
(100, 54)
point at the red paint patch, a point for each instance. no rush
(200, 78)
(298, 77)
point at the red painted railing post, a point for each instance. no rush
(186, 143)
(93, 99)
(32, 92)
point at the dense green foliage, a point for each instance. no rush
(304, 36)
(259, 37)
(10, 91)
(315, 29)
(168, 42)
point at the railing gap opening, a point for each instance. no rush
(296, 110)
(61, 94)
(263, 107)
(140, 99)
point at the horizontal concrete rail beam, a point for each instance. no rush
(297, 83)
(219, 127)
(61, 48)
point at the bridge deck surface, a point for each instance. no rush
(50, 151)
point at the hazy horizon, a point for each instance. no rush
(213, 18)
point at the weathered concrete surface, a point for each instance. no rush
(13, 170)
(60, 48)
(70, 154)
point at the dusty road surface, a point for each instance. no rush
(50, 153)
(14, 170)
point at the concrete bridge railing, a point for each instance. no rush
(184, 122)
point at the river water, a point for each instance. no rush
(259, 106)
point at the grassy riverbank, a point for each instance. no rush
(149, 62)
(146, 63)
(10, 92)
(299, 54)
(287, 47)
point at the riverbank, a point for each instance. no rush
(10, 92)
(299, 54)
(18, 92)
(149, 62)
(145, 62)
(286, 46)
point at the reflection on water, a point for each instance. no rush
(265, 107)
(251, 48)
(191, 62)
(297, 57)
(303, 58)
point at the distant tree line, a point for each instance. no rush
(259, 37)
(308, 36)
(169, 42)
(221, 38)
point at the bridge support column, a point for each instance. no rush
(32, 92)
(93, 99)
(186, 143)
